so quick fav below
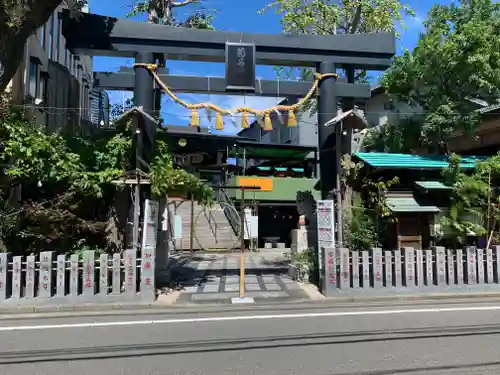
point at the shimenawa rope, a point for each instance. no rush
(219, 123)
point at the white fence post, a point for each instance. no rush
(378, 281)
(30, 277)
(74, 275)
(459, 256)
(61, 276)
(4, 263)
(103, 275)
(117, 274)
(148, 257)
(398, 274)
(480, 266)
(429, 275)
(489, 266)
(440, 265)
(409, 254)
(496, 250)
(365, 264)
(16, 277)
(451, 267)
(88, 262)
(389, 275)
(45, 284)
(471, 266)
(419, 255)
(355, 269)
(130, 271)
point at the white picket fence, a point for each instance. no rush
(51, 279)
(406, 270)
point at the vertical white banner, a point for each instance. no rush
(325, 214)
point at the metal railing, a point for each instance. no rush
(229, 210)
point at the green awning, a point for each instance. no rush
(432, 185)
(270, 151)
(411, 161)
(408, 204)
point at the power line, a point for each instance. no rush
(385, 113)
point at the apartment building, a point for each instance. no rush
(99, 108)
(381, 109)
(52, 84)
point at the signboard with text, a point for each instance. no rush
(240, 66)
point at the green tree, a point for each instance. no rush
(18, 20)
(475, 200)
(457, 58)
(396, 137)
(67, 185)
(331, 17)
(162, 12)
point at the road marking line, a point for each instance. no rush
(248, 317)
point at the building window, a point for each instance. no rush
(389, 106)
(51, 36)
(42, 36)
(33, 78)
(58, 38)
(42, 90)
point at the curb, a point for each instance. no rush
(298, 304)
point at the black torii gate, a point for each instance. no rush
(97, 35)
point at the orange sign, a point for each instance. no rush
(265, 184)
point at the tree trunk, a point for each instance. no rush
(11, 56)
(24, 22)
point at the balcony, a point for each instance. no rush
(281, 189)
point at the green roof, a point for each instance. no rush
(410, 161)
(407, 204)
(432, 185)
(268, 151)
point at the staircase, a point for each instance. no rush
(212, 229)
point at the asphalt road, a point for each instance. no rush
(322, 340)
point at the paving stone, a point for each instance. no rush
(252, 287)
(272, 287)
(204, 266)
(191, 289)
(210, 288)
(232, 288)
(269, 279)
(287, 281)
(293, 286)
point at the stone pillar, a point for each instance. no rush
(16, 277)
(4, 259)
(345, 275)
(330, 285)
(117, 274)
(130, 272)
(30, 277)
(459, 256)
(61, 275)
(377, 268)
(103, 274)
(45, 284)
(88, 289)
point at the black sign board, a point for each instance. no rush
(240, 66)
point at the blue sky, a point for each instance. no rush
(232, 15)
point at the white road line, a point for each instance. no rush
(249, 317)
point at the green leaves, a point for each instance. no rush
(166, 179)
(475, 202)
(457, 58)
